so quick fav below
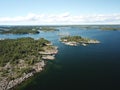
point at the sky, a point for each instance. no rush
(59, 12)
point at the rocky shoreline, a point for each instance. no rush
(77, 40)
(7, 84)
(48, 54)
(82, 43)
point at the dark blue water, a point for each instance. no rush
(94, 67)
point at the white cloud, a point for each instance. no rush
(64, 18)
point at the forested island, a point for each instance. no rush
(47, 28)
(19, 30)
(110, 28)
(26, 29)
(77, 40)
(21, 58)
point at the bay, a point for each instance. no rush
(94, 67)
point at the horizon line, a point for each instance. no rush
(54, 24)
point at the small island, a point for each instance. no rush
(21, 58)
(48, 29)
(77, 40)
(110, 28)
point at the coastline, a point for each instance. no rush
(5, 84)
(77, 40)
(73, 43)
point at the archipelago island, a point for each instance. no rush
(77, 40)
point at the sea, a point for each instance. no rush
(91, 67)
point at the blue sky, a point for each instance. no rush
(59, 12)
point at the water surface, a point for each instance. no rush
(94, 67)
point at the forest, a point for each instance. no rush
(11, 50)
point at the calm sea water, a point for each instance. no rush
(94, 67)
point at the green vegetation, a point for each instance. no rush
(25, 29)
(47, 28)
(11, 50)
(109, 28)
(19, 56)
(20, 31)
(101, 27)
(37, 29)
(75, 40)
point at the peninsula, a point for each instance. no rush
(21, 58)
(77, 40)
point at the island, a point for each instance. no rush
(21, 58)
(48, 29)
(19, 30)
(110, 28)
(77, 40)
(26, 29)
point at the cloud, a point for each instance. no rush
(63, 18)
